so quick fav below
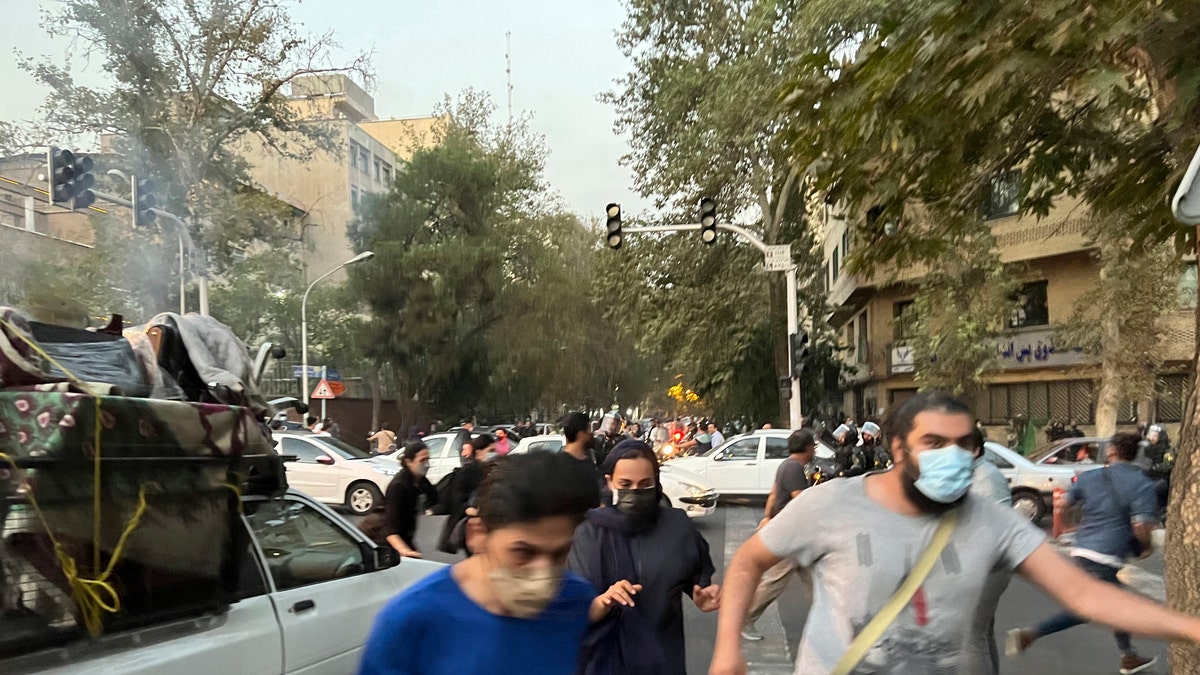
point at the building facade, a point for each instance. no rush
(1032, 377)
(361, 155)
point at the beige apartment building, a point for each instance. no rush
(330, 187)
(1032, 377)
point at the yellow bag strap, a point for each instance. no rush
(896, 604)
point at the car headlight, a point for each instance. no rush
(694, 490)
(386, 471)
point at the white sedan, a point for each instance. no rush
(1032, 483)
(333, 471)
(745, 464)
(686, 490)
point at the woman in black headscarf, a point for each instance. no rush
(654, 547)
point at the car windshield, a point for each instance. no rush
(340, 447)
(1045, 451)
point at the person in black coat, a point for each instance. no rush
(659, 552)
(465, 481)
(402, 500)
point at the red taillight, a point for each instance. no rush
(1075, 478)
(677, 437)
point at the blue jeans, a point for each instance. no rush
(1067, 620)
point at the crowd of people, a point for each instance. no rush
(573, 563)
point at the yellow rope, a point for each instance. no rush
(93, 596)
(87, 592)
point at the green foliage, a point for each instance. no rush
(1099, 104)
(187, 82)
(479, 292)
(960, 309)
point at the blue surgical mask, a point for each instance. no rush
(945, 473)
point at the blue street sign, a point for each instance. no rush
(314, 373)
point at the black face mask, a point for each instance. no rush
(639, 505)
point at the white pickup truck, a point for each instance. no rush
(309, 588)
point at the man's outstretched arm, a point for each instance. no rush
(1102, 602)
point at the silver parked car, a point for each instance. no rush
(1033, 483)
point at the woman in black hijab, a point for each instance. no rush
(654, 547)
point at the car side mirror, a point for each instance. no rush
(325, 459)
(720, 456)
(386, 557)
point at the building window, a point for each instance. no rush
(353, 155)
(1170, 397)
(834, 266)
(1031, 309)
(862, 345)
(355, 199)
(364, 161)
(845, 243)
(1039, 402)
(1003, 195)
(378, 171)
(387, 173)
(1185, 290)
(903, 320)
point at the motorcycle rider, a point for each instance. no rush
(1161, 459)
(849, 456)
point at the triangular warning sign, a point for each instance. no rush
(323, 390)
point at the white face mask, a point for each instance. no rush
(526, 593)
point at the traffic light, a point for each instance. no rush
(60, 168)
(82, 182)
(708, 221)
(613, 212)
(70, 178)
(143, 202)
(798, 343)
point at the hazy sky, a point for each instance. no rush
(564, 53)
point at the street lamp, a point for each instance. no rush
(365, 255)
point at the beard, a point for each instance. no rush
(923, 503)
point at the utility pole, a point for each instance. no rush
(776, 259)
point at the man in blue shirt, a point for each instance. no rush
(511, 607)
(1120, 509)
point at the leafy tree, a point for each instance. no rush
(699, 104)
(187, 82)
(960, 309)
(1097, 103)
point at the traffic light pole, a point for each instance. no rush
(183, 234)
(795, 414)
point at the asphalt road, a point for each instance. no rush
(1083, 649)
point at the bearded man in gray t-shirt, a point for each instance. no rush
(860, 538)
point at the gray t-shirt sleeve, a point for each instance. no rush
(795, 533)
(1016, 538)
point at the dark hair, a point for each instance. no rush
(482, 441)
(899, 423)
(310, 420)
(1126, 445)
(411, 449)
(575, 423)
(526, 488)
(631, 448)
(800, 441)
(979, 440)
(384, 427)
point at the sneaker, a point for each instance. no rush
(1017, 641)
(1132, 663)
(749, 633)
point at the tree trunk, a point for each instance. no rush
(374, 382)
(1183, 517)
(1108, 400)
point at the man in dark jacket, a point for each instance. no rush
(465, 482)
